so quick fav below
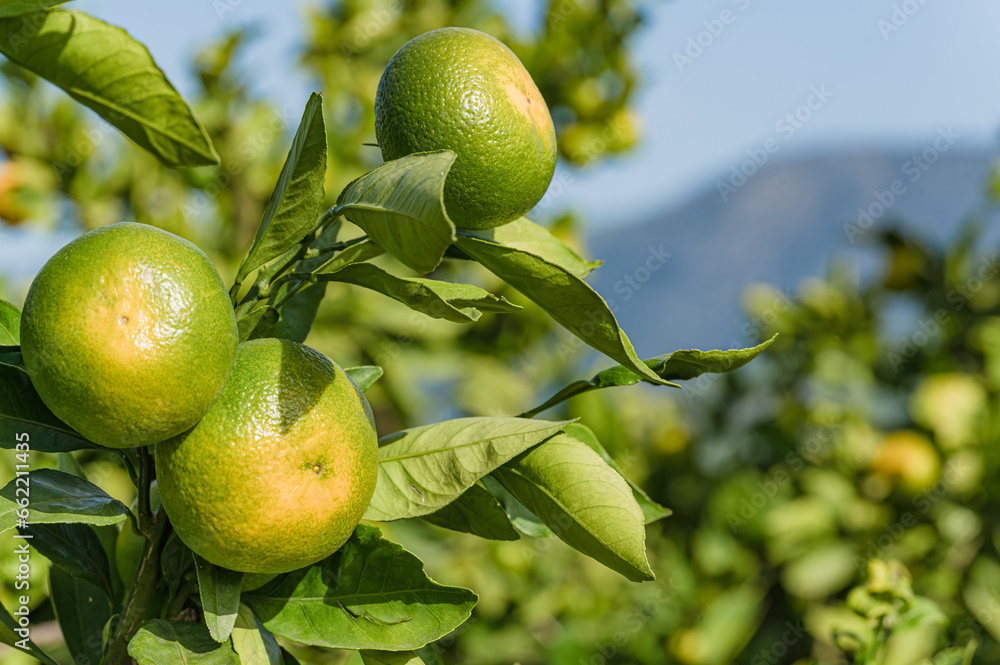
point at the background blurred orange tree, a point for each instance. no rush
(857, 436)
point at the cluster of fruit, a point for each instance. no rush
(266, 452)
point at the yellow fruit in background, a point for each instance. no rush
(908, 457)
(279, 472)
(128, 335)
(462, 90)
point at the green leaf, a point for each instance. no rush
(525, 235)
(365, 376)
(371, 657)
(254, 644)
(176, 561)
(76, 548)
(651, 511)
(247, 322)
(371, 594)
(20, 7)
(9, 636)
(103, 67)
(160, 642)
(400, 205)
(82, 610)
(584, 501)
(523, 519)
(54, 497)
(563, 295)
(430, 654)
(295, 317)
(288, 659)
(676, 366)
(10, 321)
(692, 363)
(22, 412)
(297, 199)
(477, 512)
(459, 303)
(11, 355)
(308, 269)
(425, 468)
(219, 589)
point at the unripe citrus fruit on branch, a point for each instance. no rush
(462, 90)
(128, 335)
(279, 472)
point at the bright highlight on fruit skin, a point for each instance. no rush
(128, 335)
(462, 90)
(279, 472)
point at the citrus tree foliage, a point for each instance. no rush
(153, 600)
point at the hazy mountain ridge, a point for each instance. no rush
(785, 223)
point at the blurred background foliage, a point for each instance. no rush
(867, 432)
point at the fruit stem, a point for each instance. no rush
(146, 473)
(302, 280)
(139, 605)
(266, 276)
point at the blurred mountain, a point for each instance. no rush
(786, 222)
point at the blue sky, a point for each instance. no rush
(896, 71)
(892, 74)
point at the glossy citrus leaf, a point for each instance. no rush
(370, 594)
(219, 589)
(293, 209)
(676, 366)
(159, 642)
(400, 205)
(425, 468)
(477, 512)
(103, 67)
(585, 502)
(54, 497)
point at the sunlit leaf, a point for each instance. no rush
(371, 594)
(10, 324)
(425, 468)
(585, 502)
(477, 512)
(365, 376)
(219, 589)
(22, 413)
(104, 68)
(400, 205)
(676, 366)
(159, 642)
(563, 295)
(54, 497)
(297, 200)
